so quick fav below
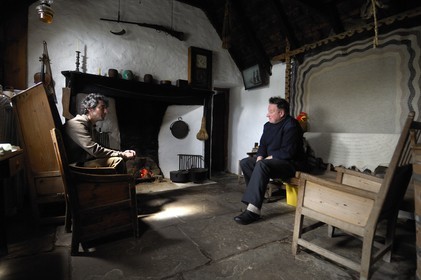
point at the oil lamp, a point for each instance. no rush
(45, 12)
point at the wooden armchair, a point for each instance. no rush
(356, 203)
(101, 202)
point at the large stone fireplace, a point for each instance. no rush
(140, 108)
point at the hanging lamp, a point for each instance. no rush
(45, 12)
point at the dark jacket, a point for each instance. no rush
(80, 143)
(284, 141)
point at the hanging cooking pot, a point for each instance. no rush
(179, 129)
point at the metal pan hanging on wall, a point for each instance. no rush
(179, 128)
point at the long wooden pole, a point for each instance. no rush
(287, 71)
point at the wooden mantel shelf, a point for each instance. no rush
(81, 82)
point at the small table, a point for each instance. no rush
(10, 164)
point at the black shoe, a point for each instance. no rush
(246, 217)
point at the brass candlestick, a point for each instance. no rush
(77, 60)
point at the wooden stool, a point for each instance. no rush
(290, 186)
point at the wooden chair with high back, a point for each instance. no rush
(102, 203)
(356, 203)
(37, 114)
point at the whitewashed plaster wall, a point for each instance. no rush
(77, 26)
(248, 114)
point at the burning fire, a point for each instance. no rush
(145, 173)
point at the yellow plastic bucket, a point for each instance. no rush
(292, 192)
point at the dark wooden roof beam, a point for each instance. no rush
(327, 10)
(261, 55)
(335, 20)
(216, 22)
(285, 27)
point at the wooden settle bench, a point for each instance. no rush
(356, 203)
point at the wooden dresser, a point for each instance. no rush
(10, 164)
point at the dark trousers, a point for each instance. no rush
(258, 174)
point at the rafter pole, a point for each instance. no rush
(261, 55)
(327, 10)
(285, 27)
(287, 71)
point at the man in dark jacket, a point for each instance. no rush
(280, 155)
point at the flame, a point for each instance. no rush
(145, 173)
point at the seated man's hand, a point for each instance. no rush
(260, 158)
(129, 154)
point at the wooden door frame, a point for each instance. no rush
(225, 92)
